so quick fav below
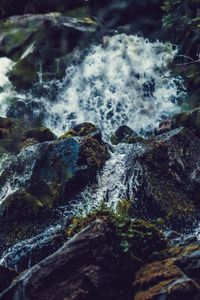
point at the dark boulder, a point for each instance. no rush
(167, 178)
(86, 267)
(16, 134)
(46, 173)
(164, 280)
(6, 277)
(84, 129)
(124, 134)
(20, 205)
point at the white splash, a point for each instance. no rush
(18, 170)
(125, 80)
(25, 252)
(117, 181)
(6, 89)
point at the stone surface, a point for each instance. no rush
(46, 173)
(164, 280)
(124, 134)
(167, 176)
(84, 268)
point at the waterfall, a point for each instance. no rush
(123, 80)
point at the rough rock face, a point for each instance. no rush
(124, 134)
(164, 280)
(84, 268)
(30, 251)
(190, 120)
(92, 266)
(167, 177)
(45, 173)
(16, 134)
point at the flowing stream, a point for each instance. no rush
(124, 80)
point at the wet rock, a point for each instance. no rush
(164, 126)
(10, 134)
(34, 42)
(167, 178)
(85, 274)
(49, 172)
(6, 277)
(189, 261)
(164, 280)
(20, 205)
(82, 130)
(27, 252)
(124, 134)
(41, 134)
(16, 134)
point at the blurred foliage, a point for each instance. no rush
(181, 22)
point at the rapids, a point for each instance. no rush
(124, 80)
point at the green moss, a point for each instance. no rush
(92, 153)
(70, 133)
(138, 239)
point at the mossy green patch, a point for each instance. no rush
(138, 239)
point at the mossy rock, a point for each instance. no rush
(166, 175)
(21, 205)
(92, 153)
(124, 134)
(140, 240)
(10, 134)
(16, 134)
(83, 130)
(41, 134)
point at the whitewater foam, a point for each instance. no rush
(125, 80)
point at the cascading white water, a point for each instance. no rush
(23, 250)
(6, 90)
(18, 170)
(124, 80)
(117, 181)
